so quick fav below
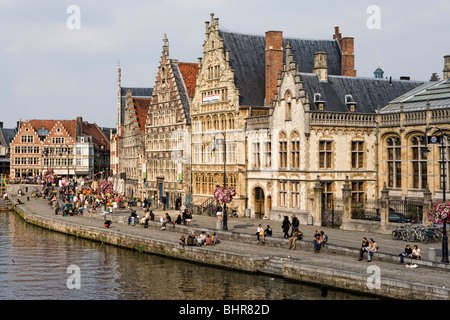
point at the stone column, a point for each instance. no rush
(384, 214)
(347, 199)
(317, 210)
(426, 206)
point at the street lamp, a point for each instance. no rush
(223, 141)
(425, 149)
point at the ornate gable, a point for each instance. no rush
(59, 131)
(215, 89)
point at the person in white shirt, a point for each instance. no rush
(260, 232)
(416, 252)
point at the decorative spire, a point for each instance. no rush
(166, 45)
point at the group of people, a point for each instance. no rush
(262, 233)
(201, 240)
(319, 238)
(410, 253)
(369, 247)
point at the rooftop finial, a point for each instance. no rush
(166, 44)
(212, 18)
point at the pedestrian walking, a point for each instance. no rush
(285, 226)
(295, 223)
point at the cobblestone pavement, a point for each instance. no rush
(349, 239)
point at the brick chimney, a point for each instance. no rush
(347, 45)
(447, 67)
(274, 63)
(79, 126)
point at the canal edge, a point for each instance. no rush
(269, 265)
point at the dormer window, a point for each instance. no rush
(350, 103)
(318, 102)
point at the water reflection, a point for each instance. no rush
(34, 262)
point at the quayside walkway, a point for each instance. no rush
(341, 253)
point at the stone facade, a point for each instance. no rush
(132, 144)
(167, 132)
(298, 125)
(217, 116)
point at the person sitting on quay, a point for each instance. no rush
(147, 218)
(260, 233)
(208, 240)
(182, 241)
(364, 245)
(191, 240)
(203, 238)
(297, 235)
(406, 253)
(132, 215)
(317, 241)
(215, 238)
(416, 253)
(371, 249)
(268, 231)
(178, 220)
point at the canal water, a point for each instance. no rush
(36, 264)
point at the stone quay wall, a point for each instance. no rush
(388, 288)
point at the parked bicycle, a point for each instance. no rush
(424, 234)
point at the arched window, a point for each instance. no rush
(283, 150)
(295, 150)
(419, 162)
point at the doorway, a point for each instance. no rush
(259, 203)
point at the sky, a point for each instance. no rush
(59, 59)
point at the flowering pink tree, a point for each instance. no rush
(106, 187)
(224, 195)
(49, 175)
(439, 213)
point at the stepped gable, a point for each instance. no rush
(136, 93)
(247, 59)
(69, 125)
(368, 93)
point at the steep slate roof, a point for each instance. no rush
(303, 51)
(247, 58)
(182, 87)
(368, 93)
(141, 106)
(437, 94)
(136, 93)
(6, 136)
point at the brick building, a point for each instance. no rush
(43, 144)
